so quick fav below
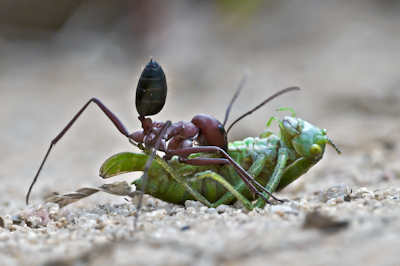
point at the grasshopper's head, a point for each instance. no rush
(306, 139)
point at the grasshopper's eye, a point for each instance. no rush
(315, 149)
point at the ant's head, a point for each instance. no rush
(211, 132)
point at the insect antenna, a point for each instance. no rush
(147, 167)
(330, 142)
(264, 102)
(241, 85)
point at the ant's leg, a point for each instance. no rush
(247, 179)
(147, 167)
(108, 113)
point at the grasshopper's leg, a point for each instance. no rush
(252, 184)
(276, 175)
(253, 171)
(182, 182)
(287, 109)
(276, 119)
(236, 192)
(232, 191)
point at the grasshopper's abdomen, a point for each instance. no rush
(171, 191)
(256, 146)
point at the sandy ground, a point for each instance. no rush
(344, 56)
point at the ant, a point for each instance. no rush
(174, 139)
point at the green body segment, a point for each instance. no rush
(168, 189)
(162, 185)
(273, 161)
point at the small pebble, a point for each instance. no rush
(211, 211)
(333, 192)
(281, 210)
(222, 208)
(192, 203)
(185, 228)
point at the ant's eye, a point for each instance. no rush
(222, 129)
(315, 149)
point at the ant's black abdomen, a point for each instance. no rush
(151, 90)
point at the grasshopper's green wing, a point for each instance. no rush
(126, 162)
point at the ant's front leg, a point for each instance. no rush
(118, 124)
(247, 179)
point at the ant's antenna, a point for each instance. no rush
(241, 85)
(264, 102)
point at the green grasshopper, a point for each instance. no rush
(272, 160)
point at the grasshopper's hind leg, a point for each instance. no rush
(233, 192)
(237, 191)
(254, 171)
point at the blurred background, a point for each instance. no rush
(56, 55)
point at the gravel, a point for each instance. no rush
(196, 235)
(343, 54)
